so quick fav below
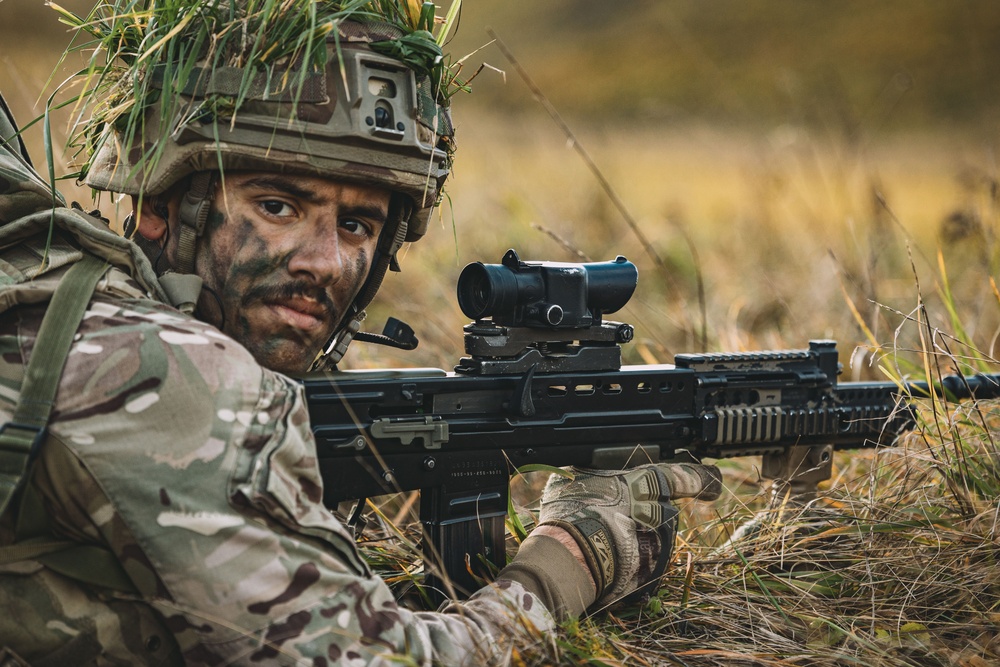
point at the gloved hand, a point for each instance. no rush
(623, 520)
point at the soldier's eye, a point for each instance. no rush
(354, 227)
(277, 208)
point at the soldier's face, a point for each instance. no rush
(284, 256)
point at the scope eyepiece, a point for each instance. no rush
(545, 294)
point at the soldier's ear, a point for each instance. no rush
(152, 225)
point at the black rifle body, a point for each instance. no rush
(458, 437)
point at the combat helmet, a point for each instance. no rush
(360, 95)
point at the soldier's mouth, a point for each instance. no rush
(302, 314)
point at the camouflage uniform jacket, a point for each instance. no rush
(172, 448)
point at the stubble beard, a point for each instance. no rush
(276, 345)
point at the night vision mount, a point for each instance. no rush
(546, 316)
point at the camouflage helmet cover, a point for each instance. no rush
(367, 119)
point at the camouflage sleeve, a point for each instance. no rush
(198, 468)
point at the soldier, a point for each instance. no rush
(159, 496)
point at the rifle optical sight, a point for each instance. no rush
(545, 294)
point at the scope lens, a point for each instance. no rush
(475, 291)
(482, 293)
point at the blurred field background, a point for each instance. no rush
(782, 159)
(800, 170)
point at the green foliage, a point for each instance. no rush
(418, 50)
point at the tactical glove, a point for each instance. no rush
(623, 520)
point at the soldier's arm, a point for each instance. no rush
(197, 469)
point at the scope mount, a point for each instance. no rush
(500, 350)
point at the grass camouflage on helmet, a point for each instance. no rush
(351, 90)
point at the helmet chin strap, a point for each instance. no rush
(390, 241)
(183, 285)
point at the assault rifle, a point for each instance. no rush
(544, 384)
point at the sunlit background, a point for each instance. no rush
(792, 170)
